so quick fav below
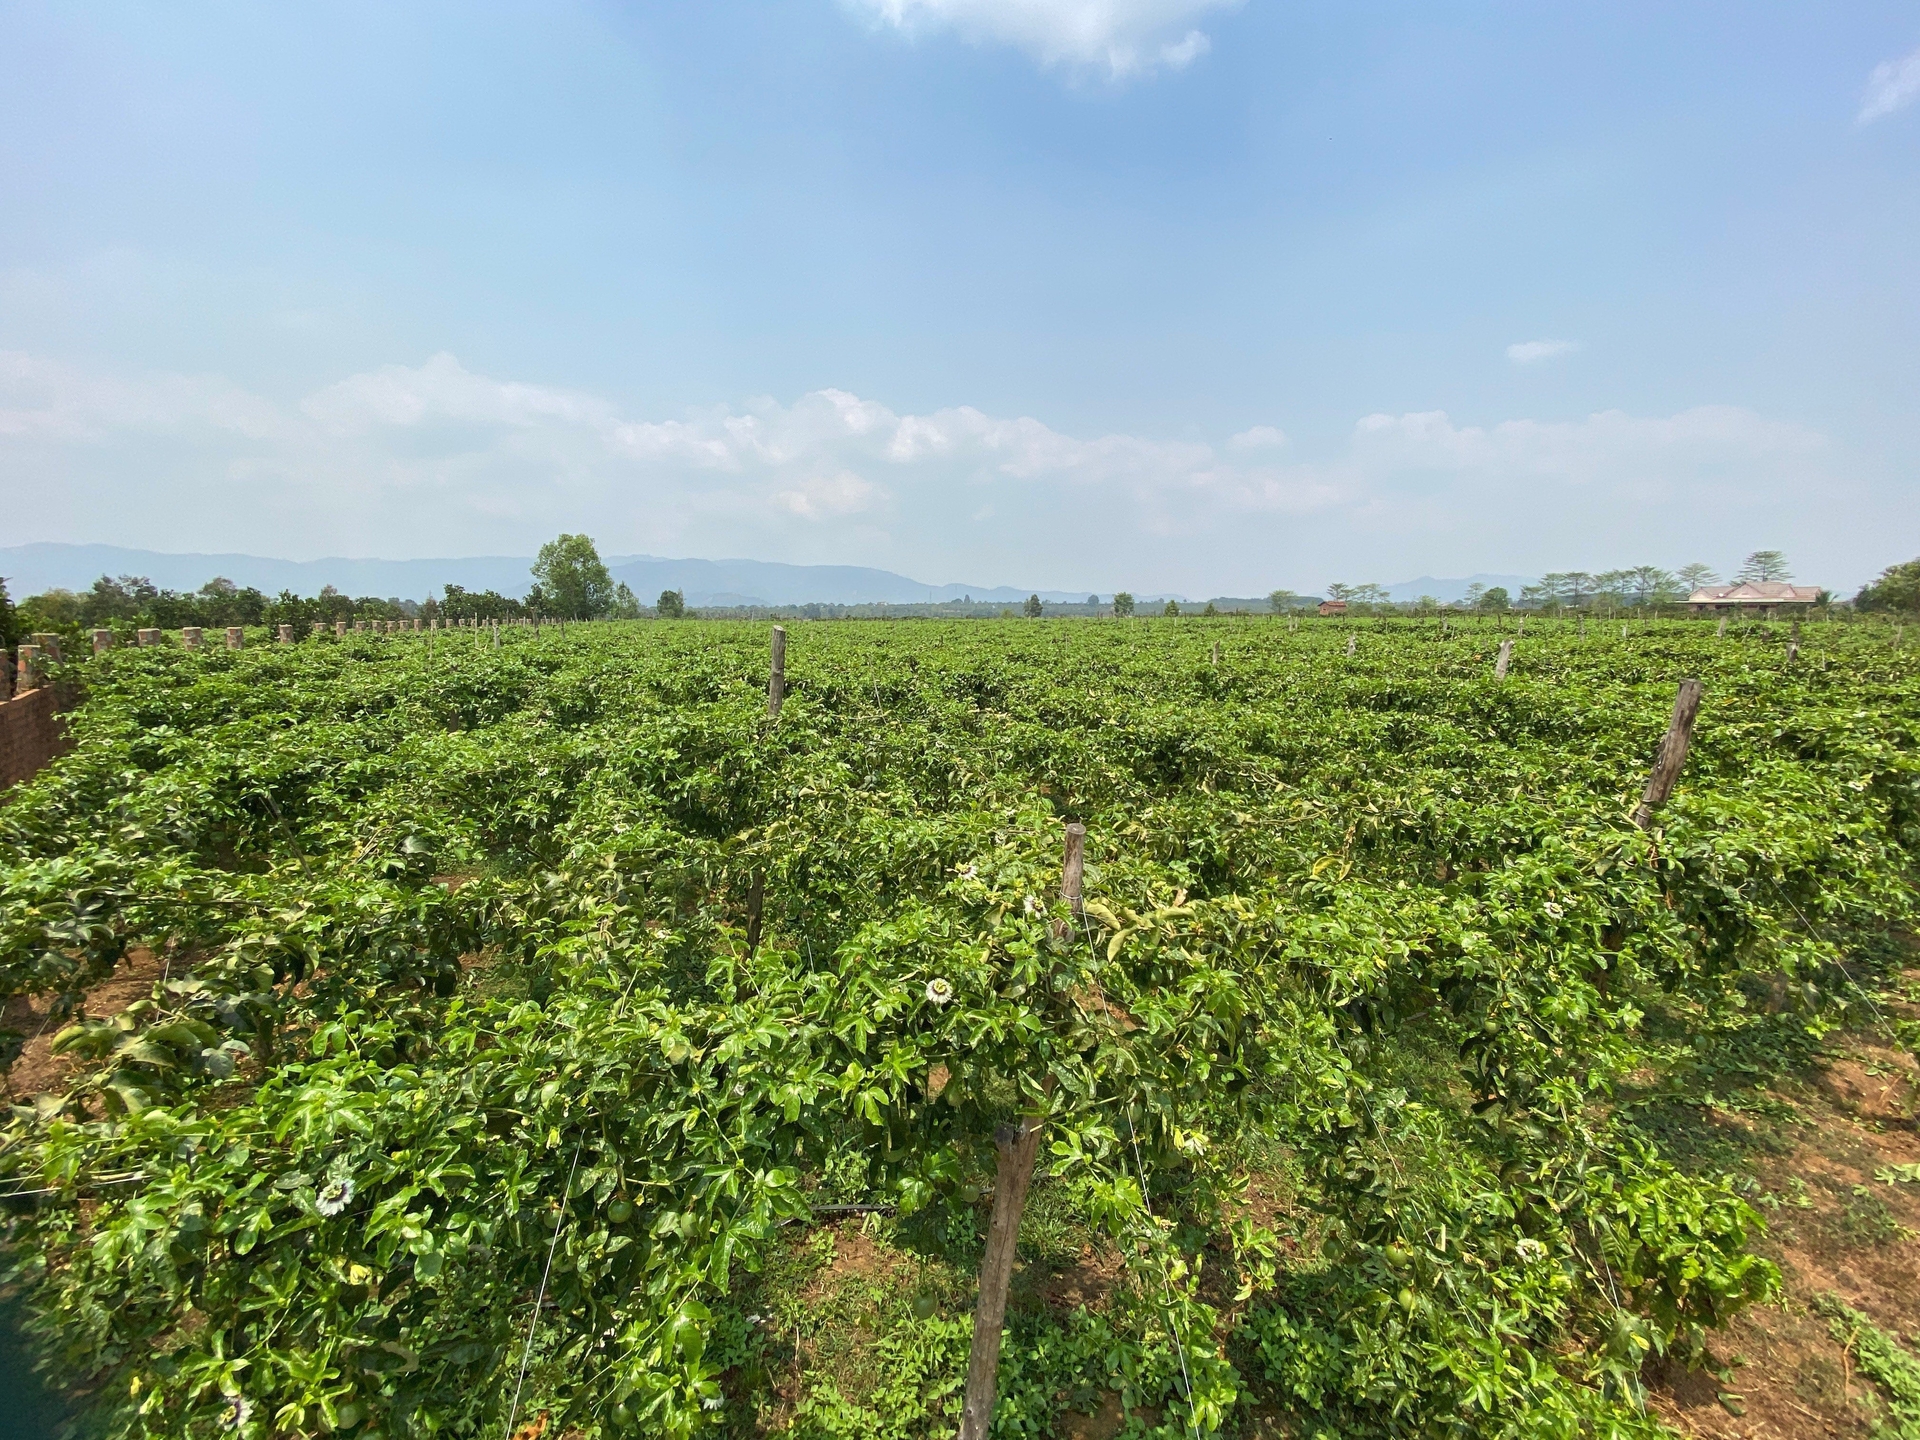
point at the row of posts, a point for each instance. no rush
(192, 637)
(30, 672)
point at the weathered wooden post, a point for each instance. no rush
(1623, 632)
(1350, 644)
(102, 641)
(1015, 1146)
(147, 637)
(777, 672)
(1523, 626)
(286, 634)
(1672, 754)
(190, 636)
(1583, 627)
(235, 637)
(1216, 652)
(1793, 651)
(1720, 630)
(1504, 659)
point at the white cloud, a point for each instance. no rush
(1608, 447)
(1531, 352)
(1122, 37)
(435, 458)
(1894, 85)
(1259, 437)
(43, 399)
(831, 495)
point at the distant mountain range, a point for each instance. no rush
(30, 569)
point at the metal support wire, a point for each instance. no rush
(539, 1299)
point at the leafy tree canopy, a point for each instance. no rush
(573, 582)
(1898, 589)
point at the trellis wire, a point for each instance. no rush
(540, 1297)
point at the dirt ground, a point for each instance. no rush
(1842, 1221)
(37, 1070)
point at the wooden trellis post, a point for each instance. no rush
(1672, 754)
(1720, 632)
(1016, 1146)
(1505, 659)
(777, 673)
(1350, 645)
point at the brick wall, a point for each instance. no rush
(30, 734)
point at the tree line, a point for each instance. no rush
(570, 583)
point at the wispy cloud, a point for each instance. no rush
(1122, 37)
(1532, 352)
(1894, 85)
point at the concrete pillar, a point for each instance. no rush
(190, 636)
(102, 641)
(339, 627)
(147, 637)
(286, 634)
(27, 676)
(235, 635)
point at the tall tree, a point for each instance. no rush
(572, 579)
(1765, 565)
(1122, 602)
(1650, 585)
(1696, 575)
(1033, 607)
(671, 605)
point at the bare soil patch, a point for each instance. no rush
(1836, 1225)
(37, 1070)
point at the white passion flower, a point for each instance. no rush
(1552, 909)
(967, 872)
(939, 992)
(334, 1196)
(1032, 905)
(239, 1411)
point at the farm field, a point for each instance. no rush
(419, 1037)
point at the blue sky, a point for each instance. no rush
(1160, 294)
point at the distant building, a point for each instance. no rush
(1750, 597)
(1333, 607)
